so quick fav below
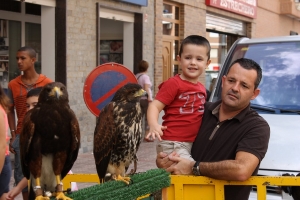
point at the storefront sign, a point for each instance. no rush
(137, 2)
(242, 7)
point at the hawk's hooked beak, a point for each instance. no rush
(141, 92)
(56, 92)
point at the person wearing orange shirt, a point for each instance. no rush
(17, 91)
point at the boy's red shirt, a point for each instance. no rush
(17, 91)
(184, 108)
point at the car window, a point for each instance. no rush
(280, 62)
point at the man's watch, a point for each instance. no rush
(196, 169)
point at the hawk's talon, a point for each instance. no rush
(124, 179)
(40, 197)
(61, 196)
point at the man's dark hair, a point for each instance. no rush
(249, 64)
(35, 92)
(31, 52)
(197, 40)
(143, 66)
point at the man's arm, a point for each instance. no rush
(239, 169)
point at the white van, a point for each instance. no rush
(278, 102)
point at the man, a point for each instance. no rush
(233, 138)
(17, 91)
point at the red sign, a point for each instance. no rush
(103, 82)
(242, 7)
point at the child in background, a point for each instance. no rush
(31, 101)
(182, 98)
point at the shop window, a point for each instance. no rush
(171, 11)
(171, 32)
(13, 6)
(33, 9)
(170, 19)
(214, 53)
(111, 51)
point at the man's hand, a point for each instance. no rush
(163, 161)
(182, 166)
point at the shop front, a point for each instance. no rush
(223, 30)
(116, 38)
(26, 24)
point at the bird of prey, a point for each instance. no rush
(117, 134)
(49, 141)
(293, 191)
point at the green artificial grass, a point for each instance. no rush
(141, 184)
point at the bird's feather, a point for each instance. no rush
(117, 134)
(51, 131)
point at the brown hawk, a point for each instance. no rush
(117, 135)
(49, 141)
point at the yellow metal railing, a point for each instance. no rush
(204, 188)
(201, 187)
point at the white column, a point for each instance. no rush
(128, 45)
(48, 41)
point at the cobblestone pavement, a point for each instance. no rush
(85, 163)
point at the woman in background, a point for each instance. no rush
(144, 80)
(5, 165)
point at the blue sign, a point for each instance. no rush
(103, 82)
(137, 2)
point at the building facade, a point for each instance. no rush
(72, 37)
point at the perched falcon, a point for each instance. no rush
(49, 141)
(117, 134)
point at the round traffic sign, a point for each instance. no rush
(103, 82)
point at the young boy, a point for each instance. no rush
(182, 98)
(31, 101)
(17, 91)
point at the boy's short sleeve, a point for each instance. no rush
(167, 91)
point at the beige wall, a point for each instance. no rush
(270, 22)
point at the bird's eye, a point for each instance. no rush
(48, 89)
(61, 89)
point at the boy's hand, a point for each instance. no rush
(155, 131)
(13, 193)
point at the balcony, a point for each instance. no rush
(290, 8)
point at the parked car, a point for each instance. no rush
(278, 102)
